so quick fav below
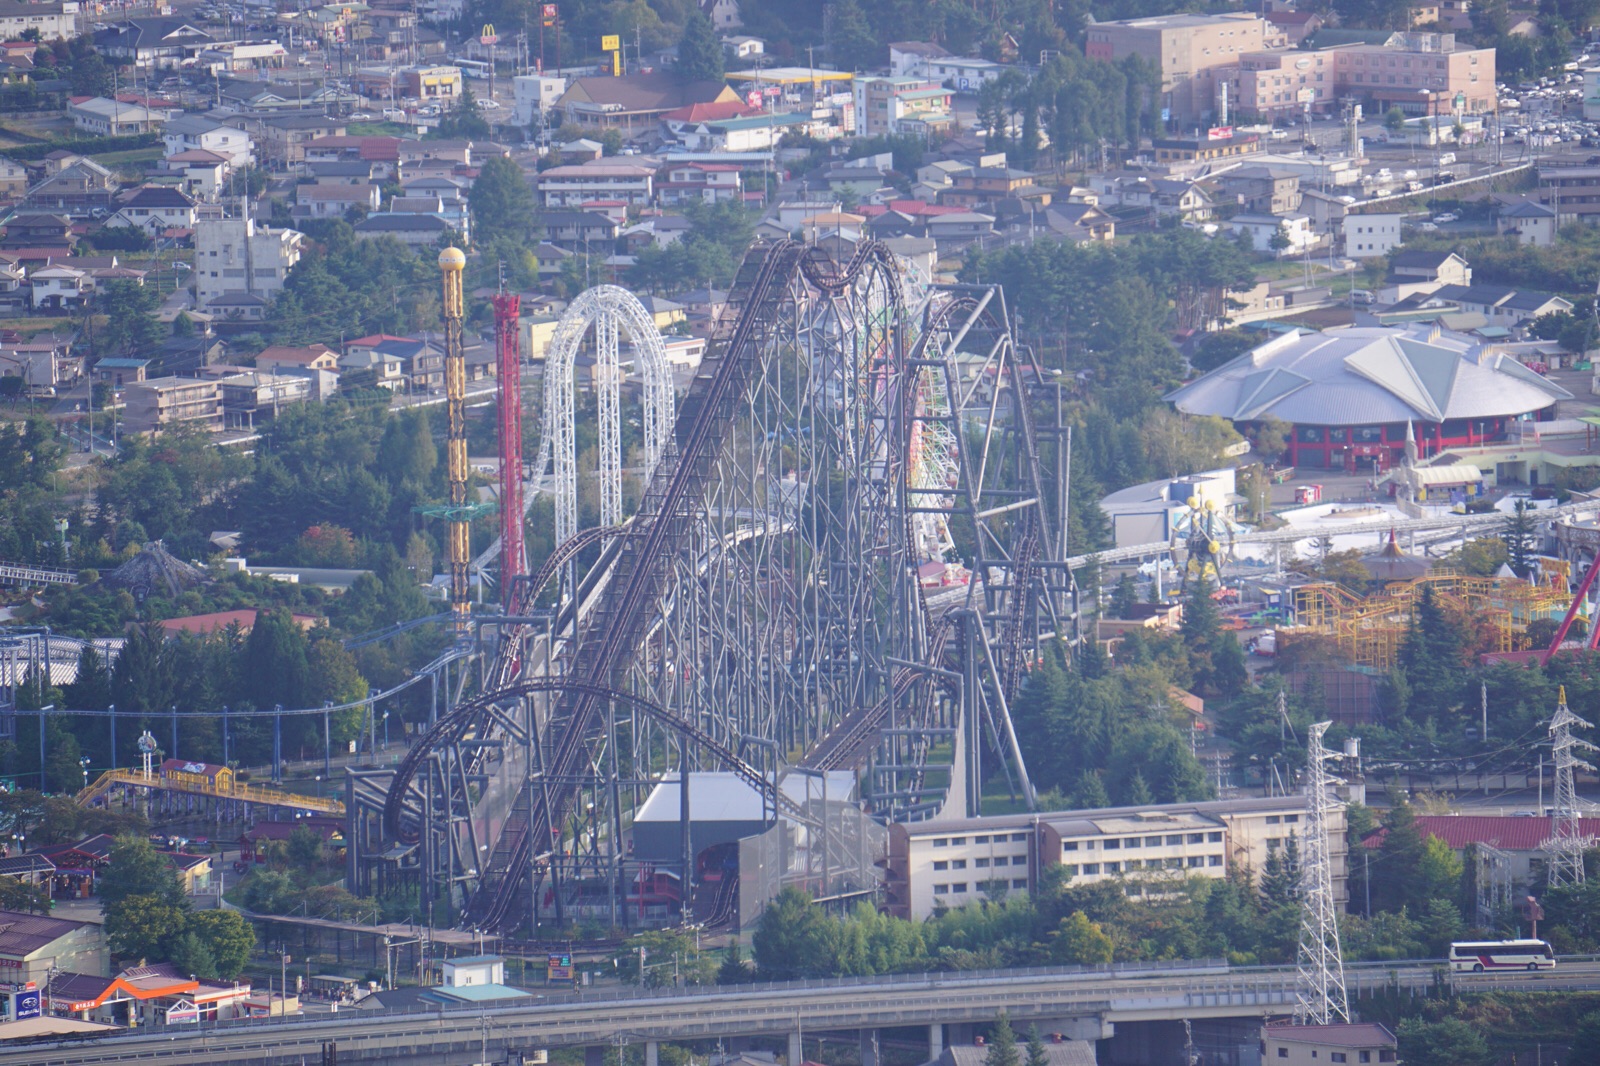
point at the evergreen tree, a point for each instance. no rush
(1090, 792)
(1139, 791)
(699, 51)
(1398, 860)
(1125, 597)
(62, 770)
(1518, 535)
(733, 971)
(1037, 1056)
(1431, 657)
(90, 690)
(276, 670)
(1002, 1044)
(791, 938)
(501, 199)
(850, 38)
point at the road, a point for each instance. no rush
(1087, 998)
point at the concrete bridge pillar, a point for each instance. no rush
(594, 1055)
(869, 1047)
(652, 1053)
(796, 1055)
(935, 1041)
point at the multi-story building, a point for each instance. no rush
(1279, 84)
(234, 255)
(900, 105)
(933, 865)
(164, 402)
(571, 186)
(1420, 73)
(1191, 51)
(1572, 192)
(112, 118)
(55, 21)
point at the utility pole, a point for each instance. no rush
(1319, 983)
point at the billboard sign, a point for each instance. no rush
(27, 1003)
(558, 968)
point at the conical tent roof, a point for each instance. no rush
(1392, 564)
(156, 570)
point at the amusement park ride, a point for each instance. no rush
(845, 552)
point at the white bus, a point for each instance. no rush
(473, 68)
(1476, 956)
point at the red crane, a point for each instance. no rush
(513, 564)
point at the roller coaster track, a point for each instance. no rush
(663, 522)
(594, 638)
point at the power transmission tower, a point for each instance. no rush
(1319, 985)
(1567, 842)
(1492, 876)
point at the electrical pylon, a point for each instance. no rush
(1319, 981)
(1567, 841)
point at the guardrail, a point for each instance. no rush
(248, 793)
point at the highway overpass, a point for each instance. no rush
(1083, 1004)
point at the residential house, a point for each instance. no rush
(201, 174)
(1371, 236)
(152, 43)
(343, 172)
(579, 230)
(40, 364)
(186, 133)
(251, 398)
(283, 138)
(235, 310)
(368, 369)
(959, 229)
(59, 288)
(635, 102)
(1168, 196)
(281, 358)
(1419, 273)
(116, 371)
(38, 229)
(160, 403)
(244, 261)
(1502, 305)
(112, 118)
(382, 152)
(724, 14)
(1080, 223)
(13, 179)
(155, 209)
(748, 133)
(1263, 230)
(909, 59)
(186, 355)
(570, 186)
(79, 187)
(54, 20)
(421, 361)
(1533, 223)
(741, 46)
(416, 230)
(1263, 190)
(684, 121)
(986, 185)
(334, 201)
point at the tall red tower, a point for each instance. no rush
(513, 564)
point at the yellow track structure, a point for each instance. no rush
(267, 797)
(1370, 630)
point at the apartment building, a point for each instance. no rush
(171, 401)
(572, 186)
(234, 255)
(938, 864)
(1572, 192)
(1191, 51)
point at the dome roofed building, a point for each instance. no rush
(1348, 394)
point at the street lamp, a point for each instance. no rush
(385, 730)
(84, 762)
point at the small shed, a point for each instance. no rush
(198, 774)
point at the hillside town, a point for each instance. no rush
(857, 534)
